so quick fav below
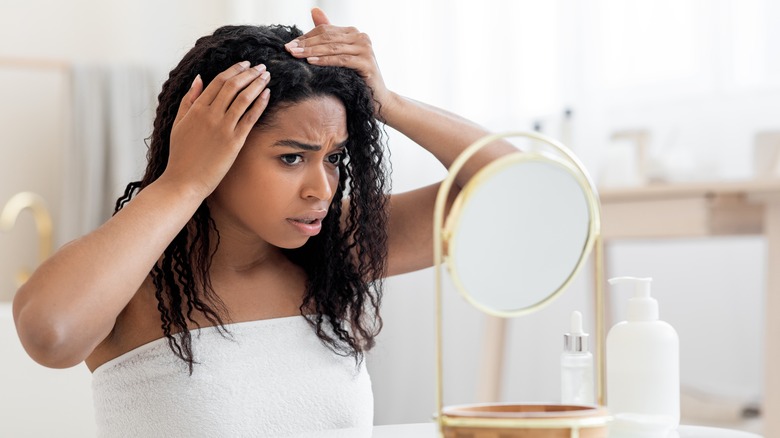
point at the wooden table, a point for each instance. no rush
(711, 209)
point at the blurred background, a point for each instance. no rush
(644, 91)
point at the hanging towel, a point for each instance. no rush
(112, 109)
(273, 378)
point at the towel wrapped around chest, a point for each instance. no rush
(274, 377)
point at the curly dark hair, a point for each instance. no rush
(344, 264)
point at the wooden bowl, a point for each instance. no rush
(524, 421)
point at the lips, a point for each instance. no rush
(305, 221)
(309, 223)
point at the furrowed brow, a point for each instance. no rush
(306, 146)
(298, 145)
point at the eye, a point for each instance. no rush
(291, 159)
(336, 159)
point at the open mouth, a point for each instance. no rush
(306, 221)
(306, 226)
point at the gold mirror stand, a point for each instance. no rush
(440, 236)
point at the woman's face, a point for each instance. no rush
(282, 183)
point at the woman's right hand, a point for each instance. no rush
(212, 124)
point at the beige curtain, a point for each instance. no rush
(112, 108)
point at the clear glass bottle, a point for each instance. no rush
(577, 379)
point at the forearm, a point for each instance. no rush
(443, 134)
(71, 302)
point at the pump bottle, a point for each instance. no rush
(576, 366)
(643, 360)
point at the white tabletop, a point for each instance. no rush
(429, 430)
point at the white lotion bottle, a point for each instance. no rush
(643, 361)
(577, 386)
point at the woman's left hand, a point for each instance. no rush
(327, 44)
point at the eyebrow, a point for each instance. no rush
(305, 146)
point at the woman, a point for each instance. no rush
(236, 293)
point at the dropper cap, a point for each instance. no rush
(576, 341)
(642, 307)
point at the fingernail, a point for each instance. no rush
(244, 64)
(195, 80)
(265, 75)
(312, 59)
(296, 49)
(292, 44)
(260, 67)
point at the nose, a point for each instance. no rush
(319, 183)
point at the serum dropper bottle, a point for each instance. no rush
(577, 386)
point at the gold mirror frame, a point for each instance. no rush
(475, 183)
(442, 235)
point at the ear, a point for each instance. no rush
(318, 17)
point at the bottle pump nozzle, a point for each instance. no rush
(642, 307)
(576, 340)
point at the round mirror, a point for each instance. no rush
(519, 231)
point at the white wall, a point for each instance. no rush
(145, 31)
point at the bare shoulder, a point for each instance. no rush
(137, 324)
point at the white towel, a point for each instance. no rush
(274, 378)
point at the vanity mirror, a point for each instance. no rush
(514, 239)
